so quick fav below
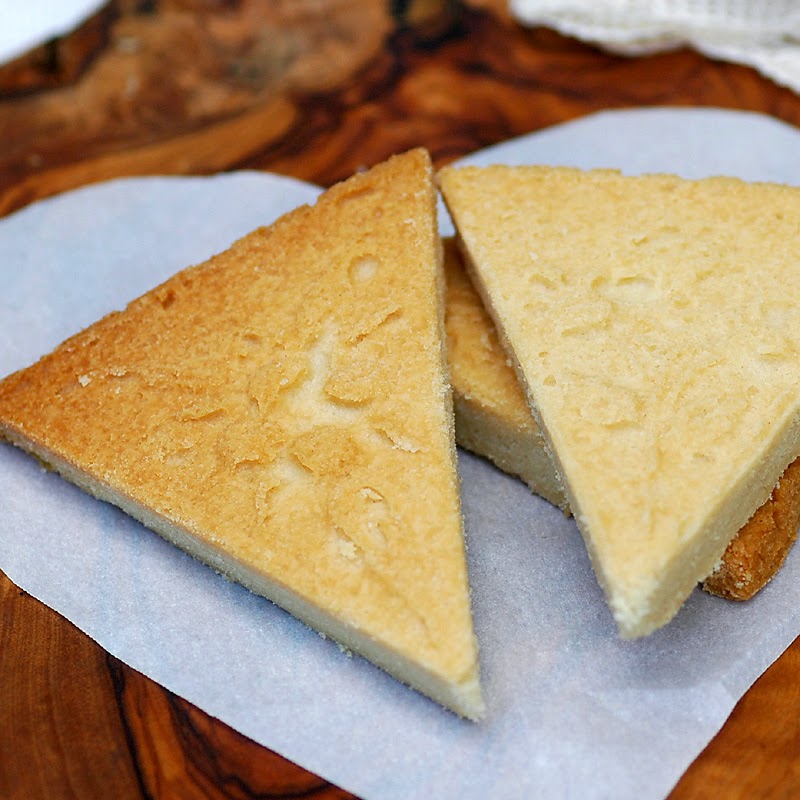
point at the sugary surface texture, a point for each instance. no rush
(655, 322)
(285, 403)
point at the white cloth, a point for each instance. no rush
(764, 34)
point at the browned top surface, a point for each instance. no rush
(197, 86)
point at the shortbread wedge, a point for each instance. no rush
(282, 412)
(493, 420)
(655, 325)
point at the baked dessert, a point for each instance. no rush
(493, 420)
(653, 322)
(282, 412)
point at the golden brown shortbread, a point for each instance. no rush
(282, 413)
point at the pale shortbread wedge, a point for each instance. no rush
(493, 420)
(282, 413)
(655, 325)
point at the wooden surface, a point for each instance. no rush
(315, 89)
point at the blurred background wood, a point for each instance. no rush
(314, 89)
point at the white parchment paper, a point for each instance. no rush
(572, 710)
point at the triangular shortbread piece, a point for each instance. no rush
(282, 413)
(493, 420)
(655, 325)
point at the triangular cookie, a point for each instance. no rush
(282, 413)
(655, 325)
(493, 420)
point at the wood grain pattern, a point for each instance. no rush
(49, 672)
(757, 753)
(77, 723)
(315, 89)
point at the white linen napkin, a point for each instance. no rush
(764, 34)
